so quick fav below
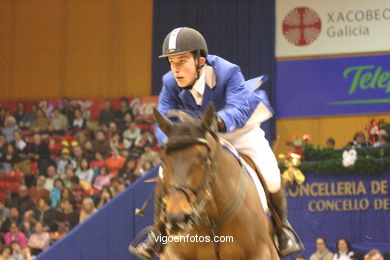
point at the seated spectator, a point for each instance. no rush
(14, 217)
(84, 172)
(127, 172)
(150, 156)
(51, 173)
(4, 212)
(374, 254)
(66, 194)
(16, 251)
(359, 140)
(126, 120)
(124, 109)
(300, 257)
(88, 151)
(40, 123)
(55, 193)
(28, 222)
(15, 235)
(111, 130)
(105, 196)
(87, 209)
(58, 122)
(131, 134)
(9, 128)
(19, 143)
(103, 179)
(116, 142)
(98, 162)
(383, 137)
(38, 191)
(68, 218)
(107, 114)
(322, 252)
(330, 143)
(77, 152)
(69, 174)
(38, 151)
(46, 214)
(101, 144)
(3, 147)
(22, 200)
(115, 162)
(114, 186)
(28, 118)
(78, 123)
(145, 167)
(20, 112)
(39, 240)
(10, 158)
(64, 160)
(77, 190)
(343, 250)
(6, 253)
(67, 109)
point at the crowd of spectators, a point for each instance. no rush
(58, 168)
(343, 251)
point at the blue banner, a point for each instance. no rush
(333, 86)
(352, 206)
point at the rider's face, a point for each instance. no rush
(183, 67)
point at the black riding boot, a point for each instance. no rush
(288, 239)
(152, 245)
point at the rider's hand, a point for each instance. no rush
(221, 125)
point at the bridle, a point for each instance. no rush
(204, 194)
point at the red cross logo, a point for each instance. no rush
(301, 26)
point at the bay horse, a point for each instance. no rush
(206, 192)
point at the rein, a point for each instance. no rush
(204, 194)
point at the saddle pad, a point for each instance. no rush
(252, 173)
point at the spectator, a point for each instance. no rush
(140, 143)
(46, 214)
(359, 140)
(67, 109)
(10, 158)
(4, 212)
(330, 143)
(126, 120)
(300, 257)
(22, 200)
(107, 114)
(3, 147)
(105, 196)
(88, 151)
(84, 172)
(87, 209)
(111, 130)
(77, 151)
(124, 109)
(77, 190)
(51, 173)
(127, 172)
(65, 160)
(343, 250)
(6, 253)
(55, 193)
(150, 156)
(145, 166)
(98, 162)
(78, 123)
(68, 216)
(114, 186)
(39, 240)
(116, 142)
(13, 217)
(40, 123)
(103, 179)
(101, 144)
(69, 174)
(39, 152)
(19, 143)
(115, 162)
(322, 252)
(28, 118)
(20, 112)
(28, 222)
(383, 137)
(66, 194)
(16, 251)
(374, 254)
(59, 122)
(9, 127)
(131, 134)
(15, 235)
(38, 191)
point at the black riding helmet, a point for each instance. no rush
(182, 40)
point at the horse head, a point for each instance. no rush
(189, 165)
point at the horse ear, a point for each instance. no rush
(163, 122)
(209, 120)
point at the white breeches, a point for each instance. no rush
(254, 144)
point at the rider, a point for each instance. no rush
(196, 79)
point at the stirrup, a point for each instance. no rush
(294, 243)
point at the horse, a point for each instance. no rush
(207, 196)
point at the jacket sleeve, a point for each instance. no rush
(235, 114)
(166, 102)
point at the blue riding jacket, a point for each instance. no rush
(233, 100)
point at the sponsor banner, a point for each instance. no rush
(316, 27)
(333, 86)
(356, 206)
(90, 108)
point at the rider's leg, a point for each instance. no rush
(152, 246)
(254, 144)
